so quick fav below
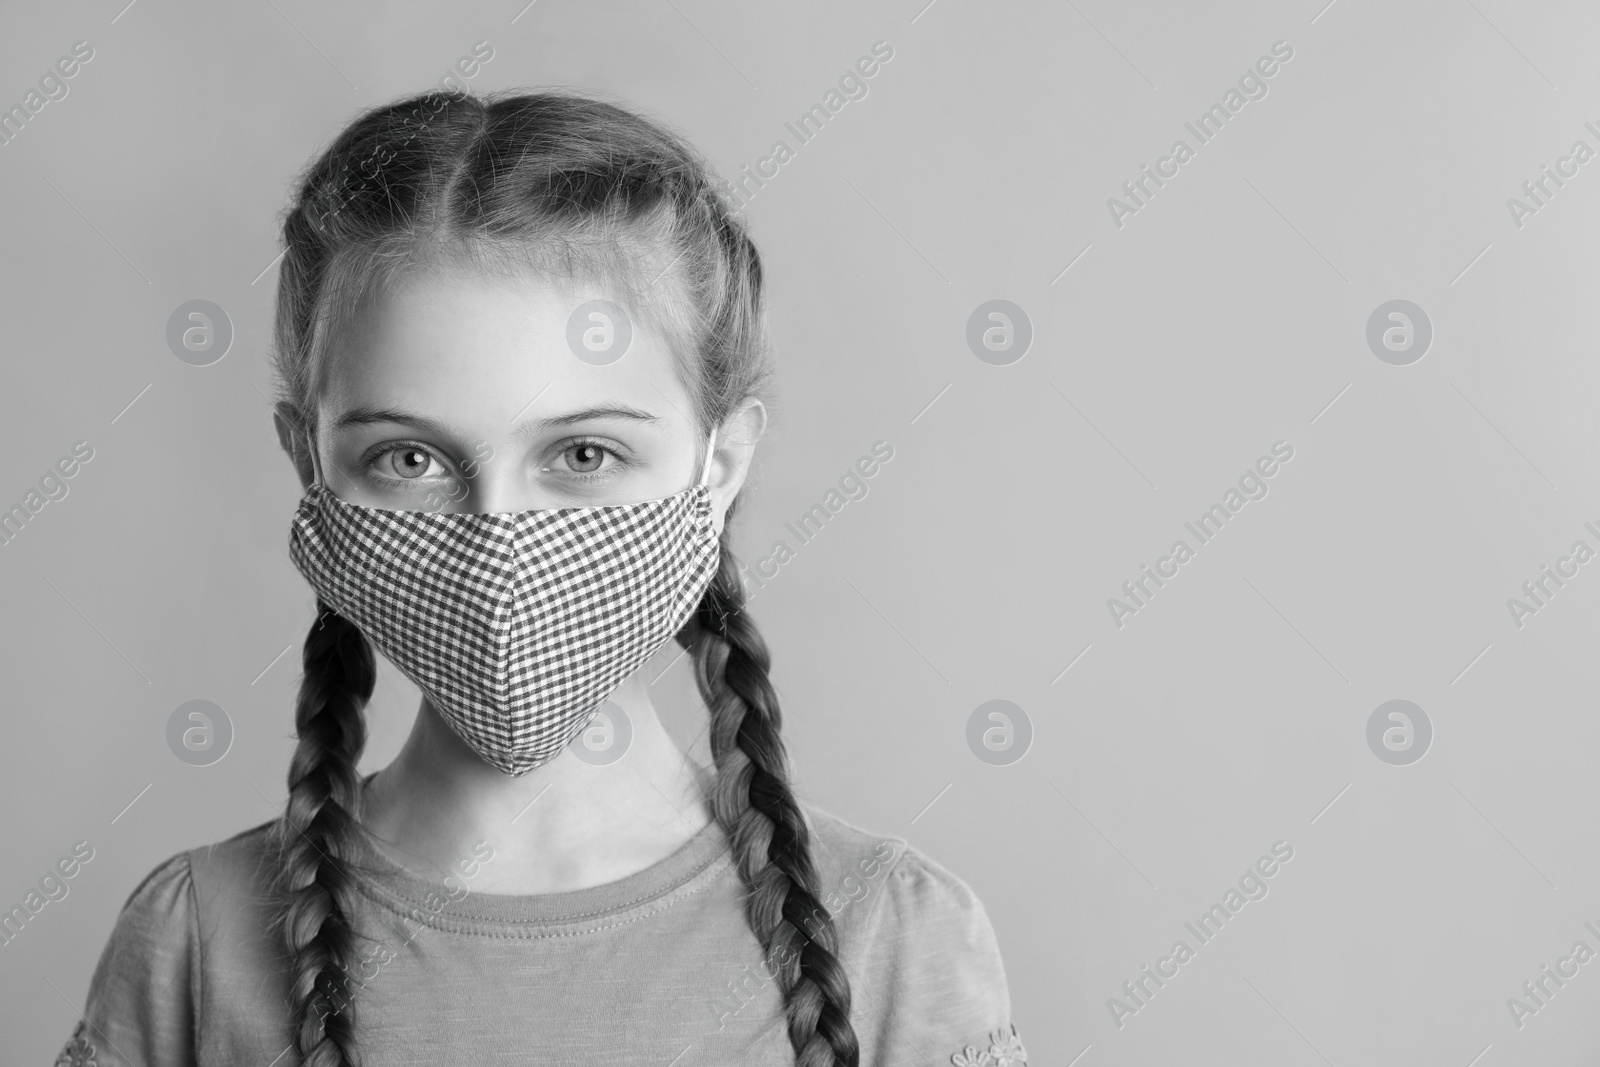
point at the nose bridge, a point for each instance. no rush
(493, 486)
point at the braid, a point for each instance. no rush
(771, 843)
(314, 837)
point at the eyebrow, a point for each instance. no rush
(602, 411)
(367, 416)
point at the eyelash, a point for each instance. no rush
(600, 475)
(370, 463)
(577, 442)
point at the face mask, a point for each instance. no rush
(517, 625)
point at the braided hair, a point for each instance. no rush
(565, 186)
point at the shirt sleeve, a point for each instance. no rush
(141, 1009)
(932, 988)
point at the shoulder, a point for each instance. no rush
(846, 854)
(144, 996)
(907, 887)
(158, 909)
(140, 1008)
(184, 881)
(927, 979)
(242, 863)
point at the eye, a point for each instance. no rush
(409, 462)
(588, 458)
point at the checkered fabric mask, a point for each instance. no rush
(517, 625)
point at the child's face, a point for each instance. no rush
(460, 393)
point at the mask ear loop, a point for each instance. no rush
(711, 452)
(316, 461)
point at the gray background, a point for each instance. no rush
(1225, 316)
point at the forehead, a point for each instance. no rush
(468, 346)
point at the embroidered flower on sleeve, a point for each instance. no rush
(79, 1051)
(1005, 1050)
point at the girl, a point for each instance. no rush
(520, 340)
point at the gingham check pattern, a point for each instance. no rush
(517, 625)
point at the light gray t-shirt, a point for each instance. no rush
(658, 968)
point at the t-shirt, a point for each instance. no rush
(660, 967)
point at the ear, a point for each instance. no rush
(296, 441)
(735, 448)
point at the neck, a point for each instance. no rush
(563, 826)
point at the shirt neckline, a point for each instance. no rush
(695, 864)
